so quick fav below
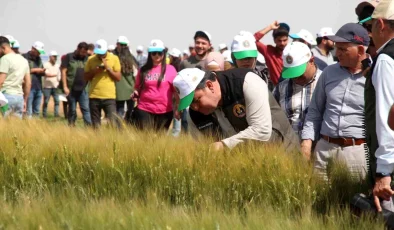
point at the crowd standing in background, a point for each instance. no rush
(329, 96)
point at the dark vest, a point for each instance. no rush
(234, 108)
(370, 110)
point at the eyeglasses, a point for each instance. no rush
(156, 53)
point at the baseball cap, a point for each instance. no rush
(175, 52)
(111, 47)
(101, 47)
(140, 48)
(385, 10)
(203, 34)
(325, 31)
(10, 38)
(244, 45)
(351, 33)
(363, 4)
(306, 36)
(16, 44)
(186, 52)
(53, 53)
(260, 58)
(285, 26)
(122, 40)
(156, 46)
(186, 83)
(222, 46)
(295, 58)
(39, 46)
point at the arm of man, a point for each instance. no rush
(114, 71)
(382, 81)
(314, 117)
(258, 112)
(48, 73)
(261, 47)
(63, 73)
(89, 71)
(4, 68)
(26, 88)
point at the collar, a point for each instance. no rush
(382, 47)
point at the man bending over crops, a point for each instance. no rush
(235, 104)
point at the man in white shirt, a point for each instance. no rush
(15, 81)
(51, 82)
(379, 95)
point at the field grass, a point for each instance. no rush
(57, 177)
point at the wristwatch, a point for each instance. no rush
(383, 175)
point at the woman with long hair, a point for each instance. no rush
(154, 90)
(125, 87)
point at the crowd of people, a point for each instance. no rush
(327, 96)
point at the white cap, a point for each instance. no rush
(325, 31)
(16, 44)
(140, 48)
(111, 47)
(222, 46)
(186, 52)
(244, 45)
(175, 52)
(186, 83)
(202, 33)
(384, 10)
(156, 45)
(39, 46)
(122, 40)
(304, 35)
(227, 56)
(101, 47)
(53, 53)
(295, 58)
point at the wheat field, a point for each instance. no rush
(57, 177)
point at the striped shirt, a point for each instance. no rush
(294, 99)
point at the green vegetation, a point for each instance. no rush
(56, 177)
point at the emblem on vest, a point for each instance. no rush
(239, 110)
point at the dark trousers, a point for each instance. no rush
(109, 107)
(146, 120)
(120, 107)
(65, 109)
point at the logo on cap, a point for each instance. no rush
(289, 59)
(99, 46)
(239, 110)
(358, 38)
(194, 78)
(246, 44)
(154, 44)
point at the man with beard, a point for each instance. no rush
(324, 46)
(15, 80)
(202, 45)
(74, 85)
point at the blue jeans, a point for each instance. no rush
(15, 105)
(83, 99)
(34, 102)
(47, 95)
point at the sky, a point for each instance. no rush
(62, 24)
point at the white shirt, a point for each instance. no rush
(382, 80)
(51, 82)
(258, 114)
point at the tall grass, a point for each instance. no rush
(57, 177)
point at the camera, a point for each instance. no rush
(361, 204)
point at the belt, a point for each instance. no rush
(343, 141)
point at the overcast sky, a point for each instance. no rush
(62, 24)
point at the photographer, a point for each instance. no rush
(379, 95)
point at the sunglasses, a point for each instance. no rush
(156, 53)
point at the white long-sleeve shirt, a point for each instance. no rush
(382, 80)
(258, 114)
